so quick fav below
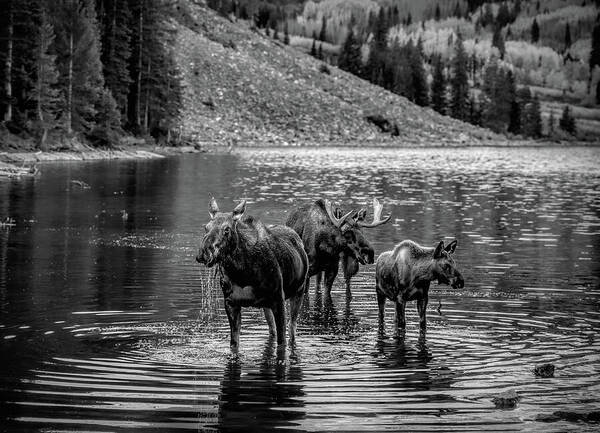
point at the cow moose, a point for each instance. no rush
(259, 266)
(328, 236)
(405, 273)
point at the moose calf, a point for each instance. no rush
(405, 273)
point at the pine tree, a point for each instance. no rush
(437, 12)
(535, 32)
(551, 124)
(9, 25)
(49, 100)
(516, 10)
(488, 16)
(400, 74)
(523, 100)
(497, 94)
(116, 50)
(286, 34)
(323, 32)
(374, 69)
(419, 77)
(350, 55)
(567, 122)
(474, 112)
(532, 118)
(459, 83)
(19, 27)
(498, 41)
(313, 48)
(598, 93)
(503, 17)
(567, 37)
(514, 125)
(438, 86)
(155, 92)
(79, 65)
(457, 12)
(595, 52)
(320, 52)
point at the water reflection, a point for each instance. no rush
(323, 316)
(398, 352)
(264, 399)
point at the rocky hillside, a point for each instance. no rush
(245, 88)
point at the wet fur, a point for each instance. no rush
(323, 242)
(259, 266)
(326, 245)
(405, 274)
(252, 263)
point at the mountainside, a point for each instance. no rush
(241, 87)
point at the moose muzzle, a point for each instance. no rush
(458, 282)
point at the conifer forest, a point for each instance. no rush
(98, 69)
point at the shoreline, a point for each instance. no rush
(132, 152)
(18, 161)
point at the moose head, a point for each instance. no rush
(357, 244)
(221, 235)
(444, 268)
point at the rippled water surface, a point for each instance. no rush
(107, 323)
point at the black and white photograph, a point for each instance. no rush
(299, 216)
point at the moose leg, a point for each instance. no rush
(348, 291)
(279, 313)
(270, 321)
(350, 267)
(400, 319)
(295, 306)
(422, 309)
(318, 279)
(305, 298)
(330, 274)
(234, 315)
(381, 304)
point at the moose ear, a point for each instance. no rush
(451, 247)
(239, 210)
(438, 250)
(213, 208)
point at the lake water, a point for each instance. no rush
(108, 323)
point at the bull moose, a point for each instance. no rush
(259, 266)
(328, 235)
(405, 273)
(350, 264)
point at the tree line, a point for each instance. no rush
(93, 68)
(498, 104)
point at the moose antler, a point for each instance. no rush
(332, 215)
(377, 221)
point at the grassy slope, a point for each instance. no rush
(262, 92)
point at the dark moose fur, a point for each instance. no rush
(326, 244)
(405, 273)
(323, 241)
(259, 266)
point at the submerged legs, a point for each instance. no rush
(234, 315)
